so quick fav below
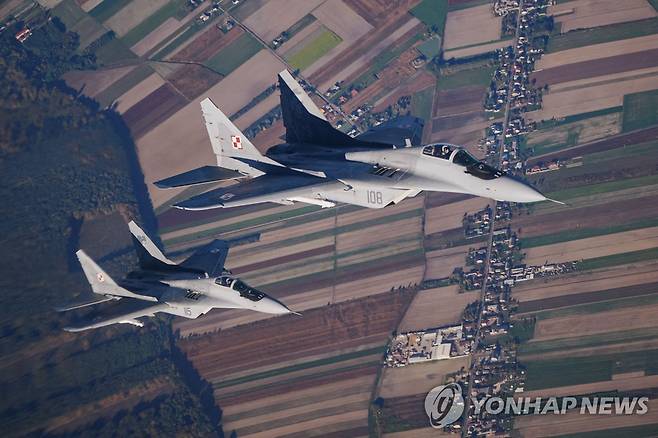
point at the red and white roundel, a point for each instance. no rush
(100, 277)
(237, 141)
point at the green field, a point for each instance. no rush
(576, 370)
(113, 52)
(314, 50)
(606, 187)
(619, 259)
(421, 103)
(150, 23)
(603, 34)
(480, 75)
(169, 45)
(640, 110)
(107, 8)
(433, 13)
(69, 12)
(233, 56)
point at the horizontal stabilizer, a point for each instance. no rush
(266, 188)
(202, 175)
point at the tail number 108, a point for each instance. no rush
(374, 197)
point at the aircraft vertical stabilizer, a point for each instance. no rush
(150, 256)
(228, 143)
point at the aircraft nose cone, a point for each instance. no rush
(509, 189)
(270, 305)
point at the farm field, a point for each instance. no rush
(471, 26)
(582, 14)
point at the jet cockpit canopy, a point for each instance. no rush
(241, 287)
(461, 157)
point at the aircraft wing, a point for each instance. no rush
(90, 300)
(278, 187)
(129, 317)
(210, 258)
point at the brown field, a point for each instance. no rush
(153, 110)
(592, 247)
(575, 299)
(610, 348)
(470, 26)
(158, 34)
(588, 130)
(139, 92)
(270, 137)
(132, 14)
(92, 82)
(395, 74)
(207, 44)
(275, 16)
(597, 67)
(419, 82)
(258, 111)
(377, 12)
(331, 328)
(418, 378)
(629, 384)
(535, 426)
(597, 51)
(159, 150)
(450, 216)
(458, 115)
(601, 322)
(613, 142)
(425, 432)
(459, 101)
(436, 307)
(587, 281)
(442, 262)
(192, 80)
(596, 216)
(594, 13)
(313, 297)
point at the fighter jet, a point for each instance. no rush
(189, 289)
(321, 165)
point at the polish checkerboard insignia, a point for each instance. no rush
(236, 140)
(100, 277)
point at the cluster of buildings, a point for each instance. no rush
(477, 224)
(525, 273)
(494, 370)
(429, 345)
